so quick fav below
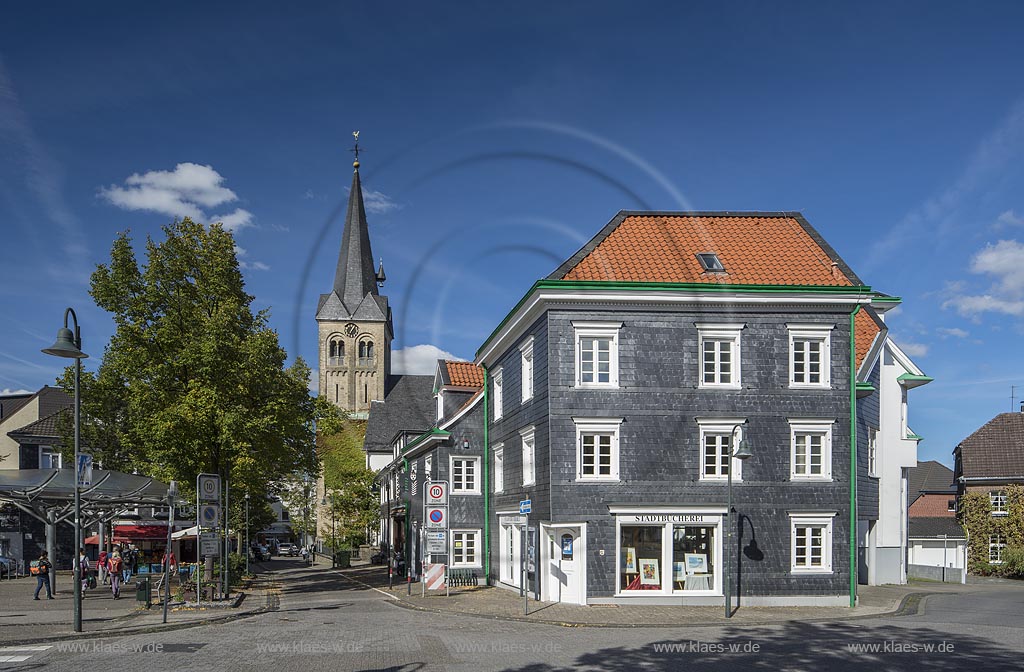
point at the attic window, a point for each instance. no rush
(710, 262)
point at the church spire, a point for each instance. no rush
(355, 278)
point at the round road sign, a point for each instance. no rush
(436, 515)
(436, 491)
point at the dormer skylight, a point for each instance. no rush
(710, 262)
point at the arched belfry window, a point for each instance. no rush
(336, 352)
(366, 353)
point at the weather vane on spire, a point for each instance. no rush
(355, 150)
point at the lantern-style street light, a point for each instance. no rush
(69, 344)
(741, 452)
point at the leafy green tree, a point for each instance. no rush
(193, 381)
(352, 500)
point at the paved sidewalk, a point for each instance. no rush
(24, 620)
(498, 603)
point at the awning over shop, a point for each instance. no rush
(139, 532)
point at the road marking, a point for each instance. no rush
(17, 654)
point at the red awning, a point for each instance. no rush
(133, 532)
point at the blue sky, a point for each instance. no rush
(498, 139)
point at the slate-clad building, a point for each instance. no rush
(614, 395)
(645, 357)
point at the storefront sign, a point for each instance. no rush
(670, 518)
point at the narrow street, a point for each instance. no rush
(323, 620)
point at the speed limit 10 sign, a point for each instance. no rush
(437, 493)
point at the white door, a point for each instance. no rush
(511, 545)
(566, 564)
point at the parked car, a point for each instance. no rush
(288, 549)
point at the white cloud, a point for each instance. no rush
(254, 265)
(1004, 262)
(8, 391)
(239, 219)
(914, 349)
(955, 332)
(185, 191)
(419, 359)
(1009, 218)
(308, 195)
(377, 202)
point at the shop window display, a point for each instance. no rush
(693, 561)
(639, 564)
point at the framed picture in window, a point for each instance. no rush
(696, 563)
(679, 571)
(629, 553)
(649, 574)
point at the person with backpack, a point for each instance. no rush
(103, 567)
(84, 569)
(116, 567)
(42, 568)
(127, 565)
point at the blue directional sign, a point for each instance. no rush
(525, 505)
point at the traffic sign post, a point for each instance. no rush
(209, 516)
(435, 527)
(525, 505)
(208, 487)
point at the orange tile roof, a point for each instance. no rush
(754, 248)
(865, 328)
(465, 374)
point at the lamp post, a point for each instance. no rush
(248, 548)
(172, 494)
(334, 538)
(742, 452)
(69, 344)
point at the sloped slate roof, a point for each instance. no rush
(10, 404)
(996, 449)
(935, 527)
(408, 405)
(929, 477)
(756, 248)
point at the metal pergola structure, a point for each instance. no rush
(48, 495)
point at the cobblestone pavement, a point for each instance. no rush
(324, 620)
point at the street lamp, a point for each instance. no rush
(742, 452)
(334, 538)
(248, 548)
(69, 344)
(172, 494)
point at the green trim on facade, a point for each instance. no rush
(911, 378)
(824, 290)
(915, 437)
(432, 433)
(853, 457)
(487, 489)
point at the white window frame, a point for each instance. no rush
(998, 546)
(496, 380)
(729, 333)
(528, 436)
(499, 467)
(821, 333)
(822, 520)
(428, 468)
(54, 453)
(872, 452)
(810, 427)
(440, 405)
(594, 427)
(603, 330)
(721, 427)
(462, 490)
(997, 500)
(526, 350)
(475, 534)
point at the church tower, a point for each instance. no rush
(355, 329)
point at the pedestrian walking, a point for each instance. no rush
(83, 569)
(127, 564)
(103, 567)
(116, 567)
(42, 568)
